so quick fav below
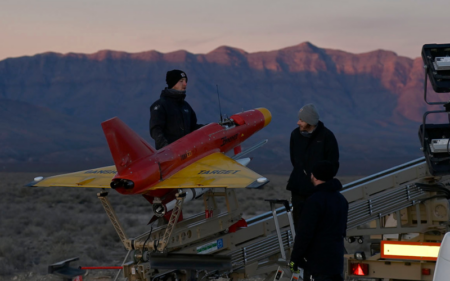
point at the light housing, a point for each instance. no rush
(360, 256)
(359, 269)
(435, 58)
(426, 271)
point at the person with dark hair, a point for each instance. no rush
(319, 240)
(171, 117)
(310, 142)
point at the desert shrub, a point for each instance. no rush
(23, 219)
(6, 268)
(6, 246)
(54, 222)
(107, 236)
(70, 227)
(33, 231)
(16, 229)
(130, 221)
(96, 253)
(62, 238)
(30, 208)
(88, 221)
(58, 252)
(17, 257)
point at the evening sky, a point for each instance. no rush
(28, 27)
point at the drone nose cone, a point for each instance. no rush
(267, 115)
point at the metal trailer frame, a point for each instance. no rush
(256, 249)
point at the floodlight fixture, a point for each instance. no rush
(436, 59)
(435, 138)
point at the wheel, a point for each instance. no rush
(350, 239)
(360, 240)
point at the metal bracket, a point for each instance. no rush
(114, 220)
(172, 222)
(277, 228)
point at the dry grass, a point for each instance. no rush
(40, 226)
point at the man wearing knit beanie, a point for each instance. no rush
(171, 117)
(308, 115)
(319, 241)
(310, 143)
(176, 79)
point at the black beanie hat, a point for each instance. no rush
(323, 170)
(173, 76)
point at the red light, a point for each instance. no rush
(361, 269)
(426, 271)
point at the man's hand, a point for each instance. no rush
(294, 267)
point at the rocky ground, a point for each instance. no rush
(41, 226)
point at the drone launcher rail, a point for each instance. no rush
(408, 191)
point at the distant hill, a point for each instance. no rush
(52, 104)
(32, 133)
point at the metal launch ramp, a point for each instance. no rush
(406, 195)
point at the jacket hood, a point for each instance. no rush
(330, 186)
(173, 94)
(318, 128)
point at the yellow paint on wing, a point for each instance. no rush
(95, 178)
(85, 181)
(214, 170)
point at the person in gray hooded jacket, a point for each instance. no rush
(171, 117)
(310, 143)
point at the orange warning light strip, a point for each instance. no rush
(409, 250)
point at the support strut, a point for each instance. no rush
(172, 222)
(114, 220)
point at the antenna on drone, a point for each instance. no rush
(220, 108)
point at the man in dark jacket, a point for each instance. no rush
(319, 241)
(310, 143)
(171, 117)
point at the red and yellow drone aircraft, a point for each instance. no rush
(195, 162)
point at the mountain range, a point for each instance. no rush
(52, 104)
